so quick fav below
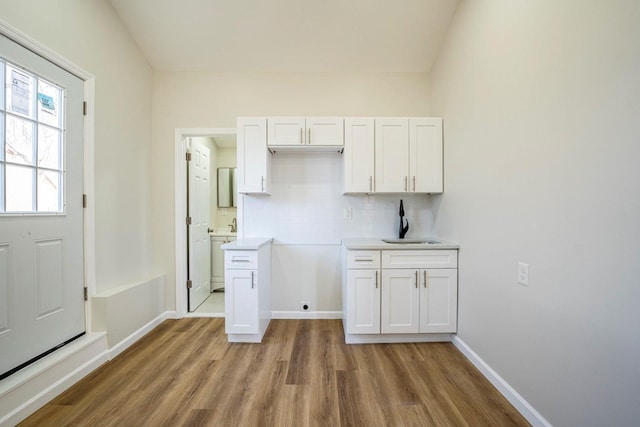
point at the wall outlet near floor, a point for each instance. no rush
(305, 305)
(523, 273)
(348, 213)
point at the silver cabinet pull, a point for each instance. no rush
(262, 187)
(414, 183)
(253, 283)
(363, 259)
(426, 279)
(416, 279)
(239, 260)
(370, 183)
(406, 185)
(301, 136)
(376, 279)
(309, 139)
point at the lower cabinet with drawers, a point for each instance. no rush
(400, 295)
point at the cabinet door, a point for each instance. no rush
(359, 155)
(217, 263)
(363, 302)
(400, 301)
(325, 131)
(253, 156)
(425, 154)
(392, 155)
(439, 300)
(241, 302)
(286, 131)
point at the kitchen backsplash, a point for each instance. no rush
(307, 206)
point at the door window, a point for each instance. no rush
(31, 143)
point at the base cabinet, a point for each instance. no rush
(247, 296)
(217, 261)
(409, 295)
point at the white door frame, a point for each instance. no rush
(88, 147)
(180, 207)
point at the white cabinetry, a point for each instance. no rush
(359, 155)
(217, 261)
(254, 159)
(247, 293)
(363, 292)
(305, 131)
(408, 155)
(401, 295)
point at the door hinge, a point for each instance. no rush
(84, 108)
(189, 284)
(188, 220)
(86, 293)
(188, 157)
(84, 200)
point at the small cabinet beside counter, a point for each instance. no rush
(399, 294)
(247, 289)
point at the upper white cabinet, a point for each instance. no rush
(359, 155)
(254, 159)
(305, 132)
(392, 155)
(408, 155)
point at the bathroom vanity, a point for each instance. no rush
(395, 291)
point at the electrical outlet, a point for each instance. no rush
(523, 273)
(305, 305)
(348, 213)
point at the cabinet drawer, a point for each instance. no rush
(363, 259)
(420, 259)
(241, 260)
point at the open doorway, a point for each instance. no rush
(206, 202)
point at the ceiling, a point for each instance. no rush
(288, 35)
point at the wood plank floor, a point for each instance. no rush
(184, 373)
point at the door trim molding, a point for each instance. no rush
(89, 249)
(180, 208)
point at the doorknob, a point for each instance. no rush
(209, 230)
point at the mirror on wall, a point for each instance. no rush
(227, 187)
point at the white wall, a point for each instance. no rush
(541, 107)
(215, 100)
(89, 34)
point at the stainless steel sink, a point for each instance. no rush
(411, 241)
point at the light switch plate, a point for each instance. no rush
(523, 273)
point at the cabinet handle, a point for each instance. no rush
(416, 279)
(370, 183)
(414, 183)
(253, 283)
(301, 136)
(262, 179)
(406, 185)
(309, 139)
(239, 260)
(376, 279)
(426, 279)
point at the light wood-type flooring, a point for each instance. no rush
(184, 373)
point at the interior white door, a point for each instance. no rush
(199, 210)
(41, 218)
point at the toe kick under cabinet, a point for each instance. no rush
(399, 295)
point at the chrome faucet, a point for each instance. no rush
(234, 225)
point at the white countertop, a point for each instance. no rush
(223, 233)
(253, 243)
(378, 244)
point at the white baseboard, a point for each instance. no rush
(131, 339)
(394, 338)
(521, 405)
(29, 389)
(306, 314)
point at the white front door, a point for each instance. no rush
(41, 218)
(198, 169)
